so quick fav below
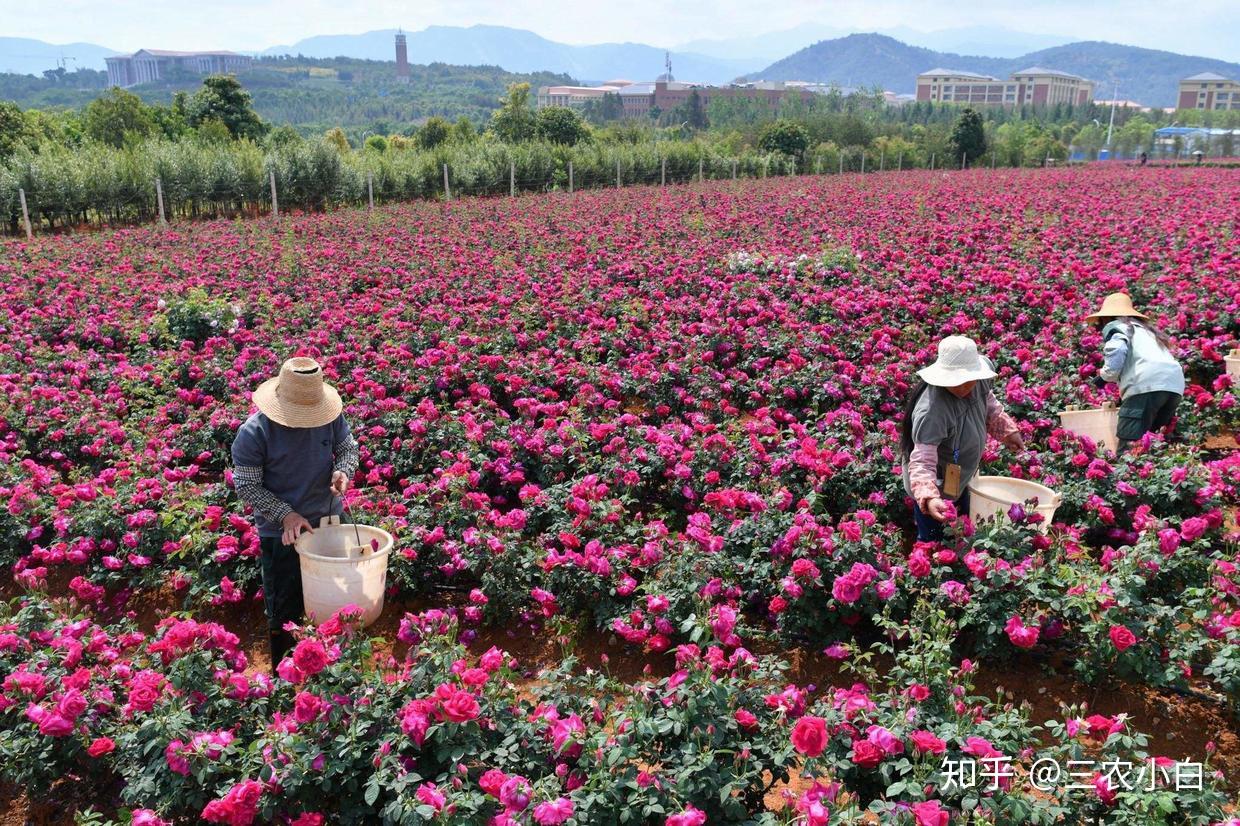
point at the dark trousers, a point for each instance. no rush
(1143, 413)
(281, 592)
(930, 529)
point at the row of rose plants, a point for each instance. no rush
(172, 726)
(565, 410)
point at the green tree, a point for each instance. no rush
(337, 138)
(697, 111)
(13, 130)
(463, 131)
(377, 143)
(1090, 139)
(785, 136)
(559, 124)
(514, 121)
(222, 98)
(115, 115)
(282, 136)
(435, 131)
(968, 137)
(612, 106)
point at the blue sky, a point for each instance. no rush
(1209, 28)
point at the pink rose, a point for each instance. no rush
(461, 707)
(809, 735)
(930, 813)
(310, 657)
(1122, 638)
(689, 817)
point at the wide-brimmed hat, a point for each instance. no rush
(299, 397)
(958, 362)
(1116, 305)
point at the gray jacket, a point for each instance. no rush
(1133, 357)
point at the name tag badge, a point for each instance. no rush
(951, 481)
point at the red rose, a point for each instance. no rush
(926, 743)
(460, 707)
(867, 755)
(745, 718)
(809, 735)
(1122, 638)
(100, 746)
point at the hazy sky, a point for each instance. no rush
(1203, 27)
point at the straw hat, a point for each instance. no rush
(1116, 305)
(298, 397)
(958, 362)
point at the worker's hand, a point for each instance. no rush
(935, 508)
(294, 523)
(1014, 442)
(340, 482)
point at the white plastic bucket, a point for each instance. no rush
(337, 570)
(1099, 424)
(991, 496)
(1233, 363)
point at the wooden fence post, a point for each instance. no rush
(570, 177)
(159, 199)
(663, 172)
(617, 173)
(370, 190)
(447, 188)
(275, 203)
(700, 179)
(21, 194)
(512, 179)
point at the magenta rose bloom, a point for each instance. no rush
(1122, 638)
(310, 657)
(809, 735)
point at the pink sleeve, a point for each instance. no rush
(998, 423)
(922, 472)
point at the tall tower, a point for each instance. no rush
(402, 58)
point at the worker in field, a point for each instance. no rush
(1137, 356)
(292, 462)
(947, 417)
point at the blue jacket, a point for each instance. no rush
(1133, 357)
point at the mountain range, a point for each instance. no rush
(855, 60)
(518, 50)
(1146, 75)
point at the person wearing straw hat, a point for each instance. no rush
(1137, 356)
(292, 462)
(947, 417)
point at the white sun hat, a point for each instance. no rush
(958, 362)
(299, 397)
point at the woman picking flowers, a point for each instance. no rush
(946, 420)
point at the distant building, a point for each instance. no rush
(1209, 91)
(638, 99)
(1034, 86)
(150, 65)
(402, 58)
(1124, 104)
(575, 97)
(1190, 139)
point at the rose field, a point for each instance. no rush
(654, 564)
